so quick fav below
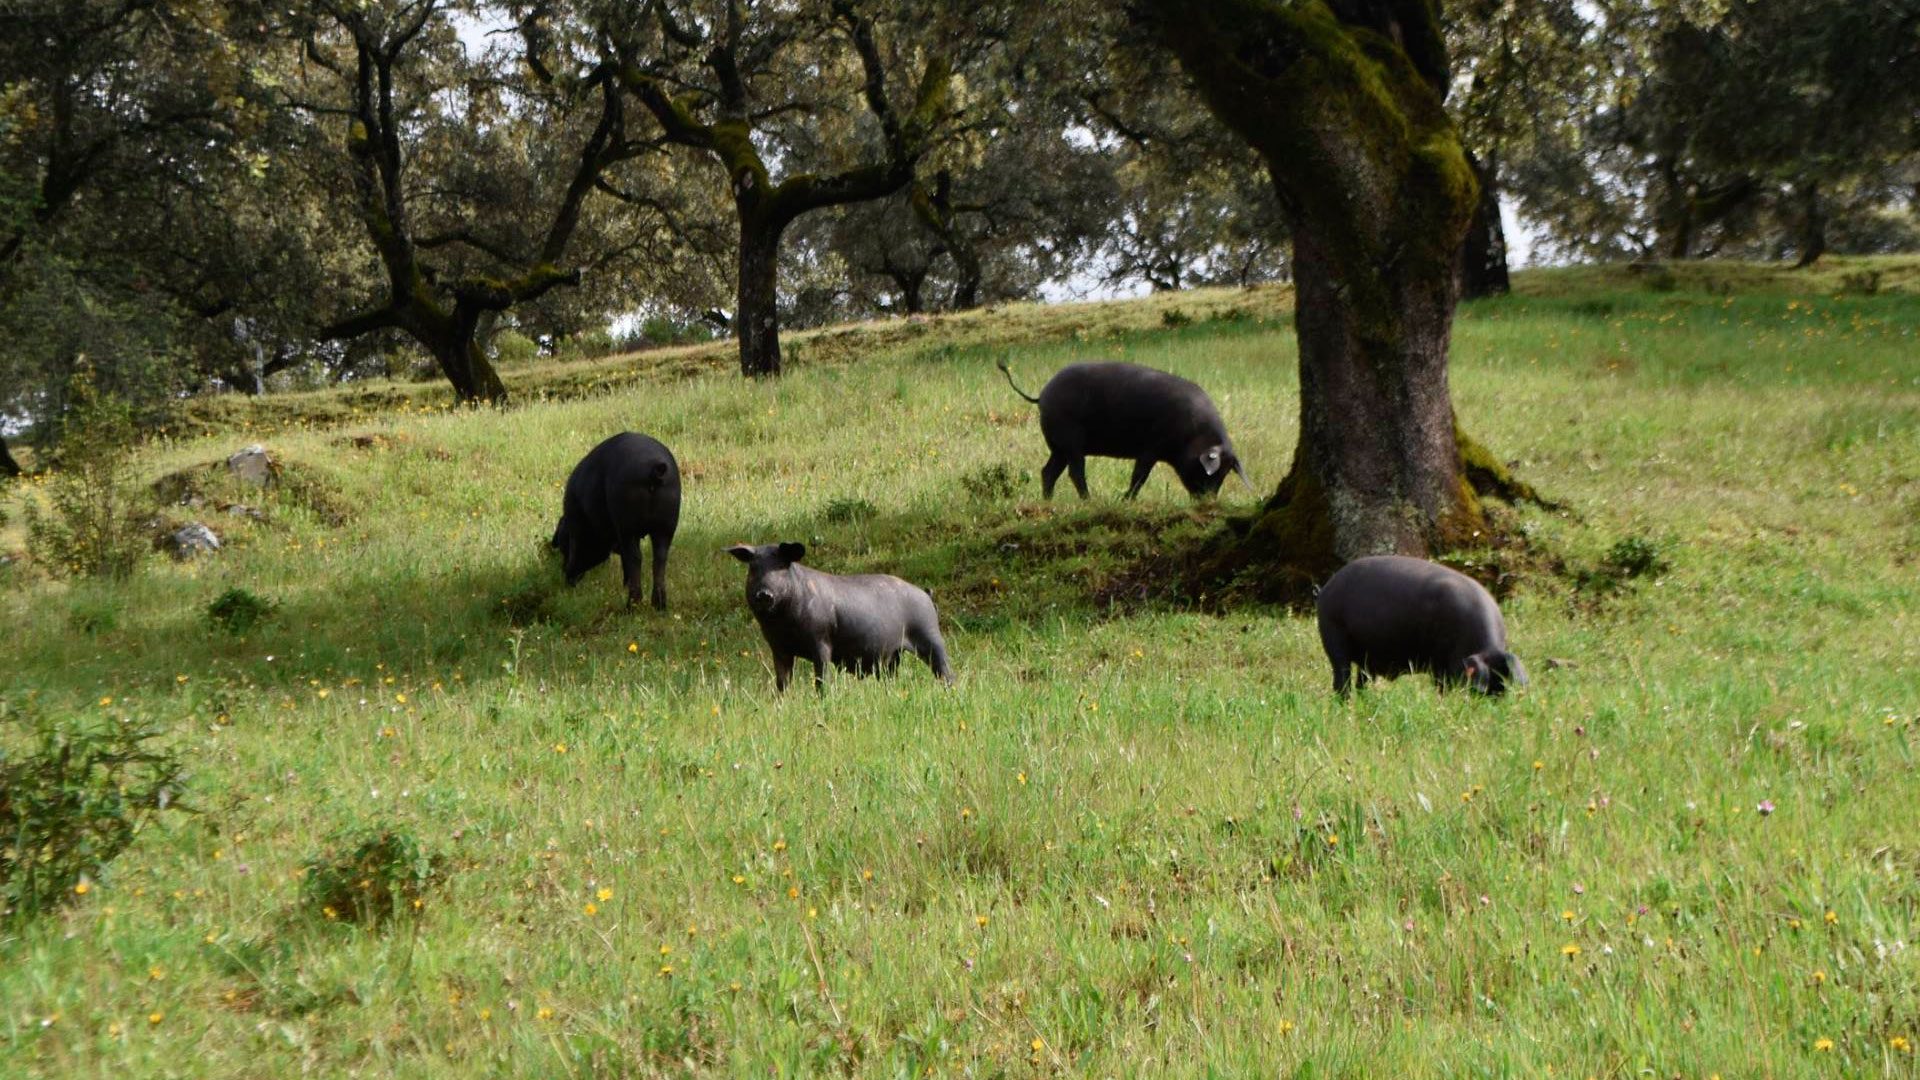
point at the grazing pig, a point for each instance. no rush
(1129, 411)
(860, 623)
(625, 488)
(1388, 614)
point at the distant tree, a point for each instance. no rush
(1731, 129)
(1000, 208)
(103, 105)
(799, 108)
(1187, 221)
(468, 169)
(1523, 75)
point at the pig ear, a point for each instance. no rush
(1210, 459)
(741, 552)
(1516, 671)
(793, 552)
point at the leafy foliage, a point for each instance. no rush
(237, 611)
(91, 527)
(369, 875)
(74, 793)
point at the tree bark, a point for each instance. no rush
(756, 320)
(1813, 227)
(1344, 102)
(966, 281)
(8, 466)
(1484, 269)
(912, 286)
(1675, 222)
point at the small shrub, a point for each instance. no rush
(237, 611)
(512, 349)
(94, 615)
(91, 528)
(1235, 314)
(1861, 283)
(369, 875)
(1632, 557)
(1636, 556)
(843, 511)
(993, 483)
(73, 795)
(1659, 279)
(1174, 319)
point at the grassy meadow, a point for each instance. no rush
(1138, 837)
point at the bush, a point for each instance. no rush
(1861, 283)
(992, 483)
(1636, 556)
(94, 615)
(1631, 557)
(73, 795)
(91, 528)
(1174, 319)
(513, 349)
(369, 875)
(237, 611)
(843, 511)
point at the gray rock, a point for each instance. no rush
(253, 466)
(191, 540)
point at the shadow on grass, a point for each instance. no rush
(1015, 563)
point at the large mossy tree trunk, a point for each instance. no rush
(8, 466)
(1344, 101)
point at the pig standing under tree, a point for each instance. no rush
(626, 488)
(1127, 411)
(859, 623)
(1388, 614)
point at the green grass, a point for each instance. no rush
(1134, 839)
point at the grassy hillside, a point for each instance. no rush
(1136, 838)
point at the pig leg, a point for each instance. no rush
(630, 567)
(822, 657)
(1342, 677)
(1141, 469)
(1050, 472)
(782, 670)
(1077, 471)
(660, 542)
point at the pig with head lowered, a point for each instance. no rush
(1128, 411)
(1389, 614)
(860, 623)
(626, 488)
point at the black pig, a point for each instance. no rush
(1389, 614)
(860, 623)
(625, 488)
(1129, 411)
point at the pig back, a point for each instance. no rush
(1395, 612)
(1124, 410)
